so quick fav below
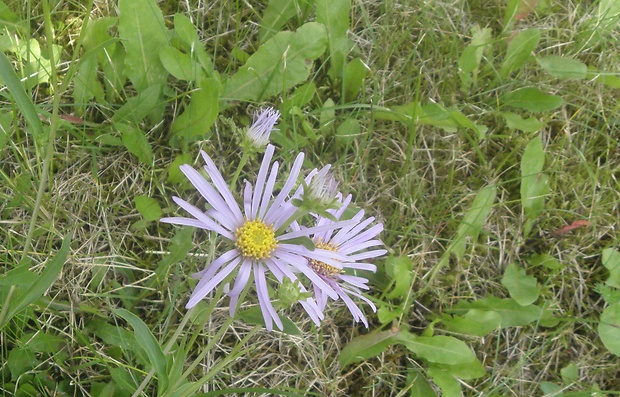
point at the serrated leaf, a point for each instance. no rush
(199, 116)
(532, 99)
(135, 141)
(151, 346)
(514, 121)
(523, 289)
(282, 62)
(611, 261)
(562, 67)
(39, 285)
(438, 349)
(609, 328)
(148, 207)
(143, 32)
(519, 50)
(366, 346)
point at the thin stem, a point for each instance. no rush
(242, 162)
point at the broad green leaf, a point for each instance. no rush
(449, 385)
(180, 65)
(123, 379)
(135, 141)
(611, 261)
(570, 373)
(22, 100)
(438, 349)
(39, 285)
(86, 86)
(140, 106)
(174, 172)
(282, 62)
(113, 335)
(143, 32)
(532, 99)
(469, 61)
(348, 131)
(386, 314)
(519, 50)
(366, 346)
(334, 15)
(20, 361)
(353, 79)
(474, 322)
(467, 371)
(148, 207)
(20, 275)
(609, 328)
(199, 116)
(512, 313)
(472, 222)
(515, 121)
(42, 342)
(562, 67)
(277, 13)
(551, 389)
(254, 315)
(523, 289)
(400, 271)
(151, 346)
(545, 260)
(185, 30)
(534, 186)
(420, 387)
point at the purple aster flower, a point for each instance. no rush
(264, 121)
(351, 243)
(258, 233)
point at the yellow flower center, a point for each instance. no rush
(322, 268)
(256, 240)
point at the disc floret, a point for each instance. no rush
(256, 240)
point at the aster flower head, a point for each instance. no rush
(260, 130)
(259, 242)
(318, 193)
(351, 244)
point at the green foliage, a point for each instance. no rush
(523, 289)
(534, 183)
(519, 51)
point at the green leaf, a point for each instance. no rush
(22, 100)
(140, 106)
(180, 65)
(148, 207)
(113, 335)
(348, 130)
(611, 261)
(20, 275)
(143, 32)
(40, 285)
(475, 322)
(254, 315)
(545, 260)
(135, 141)
(199, 116)
(533, 182)
(399, 269)
(353, 79)
(449, 385)
(21, 361)
(366, 346)
(438, 349)
(123, 379)
(570, 373)
(277, 13)
(514, 121)
(334, 14)
(466, 371)
(532, 99)
(472, 222)
(562, 67)
(469, 61)
(420, 387)
(609, 328)
(282, 62)
(519, 50)
(175, 175)
(147, 341)
(512, 313)
(185, 30)
(86, 86)
(523, 289)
